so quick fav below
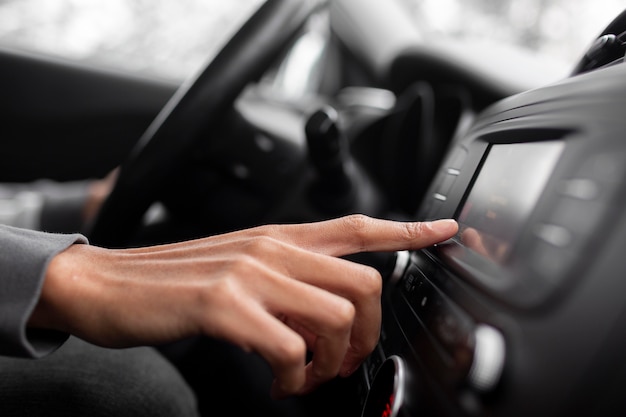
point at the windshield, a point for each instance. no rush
(172, 38)
(164, 38)
(560, 30)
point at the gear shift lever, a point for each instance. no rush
(332, 192)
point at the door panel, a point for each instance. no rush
(65, 121)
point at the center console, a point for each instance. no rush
(520, 313)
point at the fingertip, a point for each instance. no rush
(445, 225)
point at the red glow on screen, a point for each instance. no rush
(387, 410)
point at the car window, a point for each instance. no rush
(557, 29)
(165, 38)
(172, 38)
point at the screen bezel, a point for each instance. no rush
(502, 196)
(504, 280)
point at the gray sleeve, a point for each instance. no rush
(24, 257)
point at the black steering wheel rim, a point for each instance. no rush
(199, 103)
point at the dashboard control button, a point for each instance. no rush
(549, 263)
(555, 235)
(582, 189)
(489, 356)
(435, 208)
(402, 261)
(446, 184)
(581, 218)
(458, 159)
(606, 168)
(438, 331)
(387, 394)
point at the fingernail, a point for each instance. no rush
(446, 225)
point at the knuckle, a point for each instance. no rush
(243, 265)
(210, 301)
(260, 246)
(343, 316)
(357, 222)
(369, 344)
(322, 374)
(269, 231)
(412, 230)
(223, 290)
(417, 230)
(357, 225)
(364, 348)
(228, 284)
(370, 284)
(291, 352)
(254, 245)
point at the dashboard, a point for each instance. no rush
(523, 312)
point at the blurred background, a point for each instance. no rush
(172, 38)
(556, 29)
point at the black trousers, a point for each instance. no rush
(200, 377)
(83, 380)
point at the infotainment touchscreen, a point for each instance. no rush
(504, 193)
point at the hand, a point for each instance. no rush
(97, 192)
(276, 290)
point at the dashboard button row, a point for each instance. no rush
(444, 184)
(437, 330)
(581, 204)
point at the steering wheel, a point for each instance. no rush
(197, 105)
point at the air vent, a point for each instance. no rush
(606, 50)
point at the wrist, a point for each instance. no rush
(62, 288)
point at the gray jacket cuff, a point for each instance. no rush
(24, 258)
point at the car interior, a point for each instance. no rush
(317, 109)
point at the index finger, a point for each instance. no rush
(360, 233)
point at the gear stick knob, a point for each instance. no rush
(332, 191)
